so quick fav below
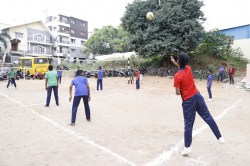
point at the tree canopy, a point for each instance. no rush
(177, 26)
(105, 40)
(215, 43)
(3, 37)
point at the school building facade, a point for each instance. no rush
(241, 38)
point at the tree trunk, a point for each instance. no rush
(166, 60)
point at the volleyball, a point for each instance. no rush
(150, 15)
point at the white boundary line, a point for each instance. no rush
(165, 156)
(86, 139)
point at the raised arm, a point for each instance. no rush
(173, 61)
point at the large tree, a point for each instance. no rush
(177, 26)
(105, 40)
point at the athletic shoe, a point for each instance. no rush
(210, 100)
(96, 91)
(186, 151)
(100, 90)
(16, 88)
(221, 140)
(7, 88)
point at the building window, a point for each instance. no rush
(73, 50)
(64, 20)
(49, 19)
(83, 33)
(39, 38)
(83, 24)
(73, 22)
(54, 49)
(73, 41)
(50, 28)
(82, 42)
(0, 49)
(73, 31)
(19, 35)
(39, 50)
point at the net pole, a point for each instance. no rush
(24, 74)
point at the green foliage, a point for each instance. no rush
(215, 43)
(87, 51)
(216, 47)
(149, 62)
(176, 26)
(104, 40)
(3, 37)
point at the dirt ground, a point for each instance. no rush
(128, 127)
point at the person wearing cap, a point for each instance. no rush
(209, 84)
(82, 91)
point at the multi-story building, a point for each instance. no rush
(29, 39)
(70, 33)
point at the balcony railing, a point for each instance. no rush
(63, 31)
(63, 51)
(39, 40)
(16, 50)
(39, 52)
(63, 41)
(63, 21)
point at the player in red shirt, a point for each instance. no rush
(137, 79)
(231, 74)
(192, 101)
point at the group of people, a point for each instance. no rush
(230, 73)
(221, 73)
(184, 84)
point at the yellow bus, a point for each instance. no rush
(31, 64)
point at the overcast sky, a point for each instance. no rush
(219, 13)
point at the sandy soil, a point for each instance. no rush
(127, 128)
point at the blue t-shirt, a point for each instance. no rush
(209, 78)
(80, 86)
(59, 73)
(221, 68)
(100, 72)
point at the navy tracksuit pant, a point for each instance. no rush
(209, 92)
(12, 82)
(220, 75)
(49, 90)
(60, 78)
(99, 82)
(76, 103)
(138, 84)
(190, 106)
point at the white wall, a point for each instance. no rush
(244, 44)
(115, 56)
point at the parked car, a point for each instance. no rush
(1, 77)
(4, 72)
